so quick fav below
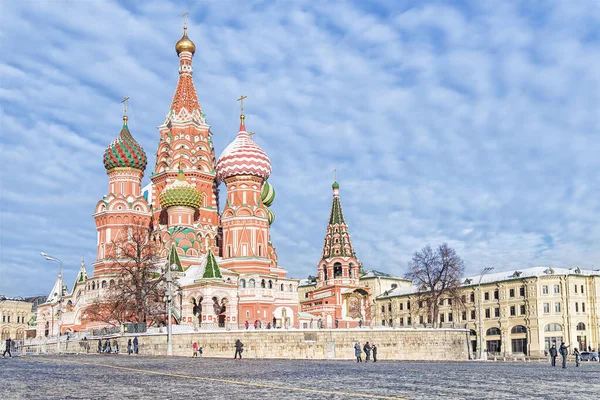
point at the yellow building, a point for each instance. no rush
(521, 312)
(15, 314)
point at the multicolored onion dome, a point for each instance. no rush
(185, 44)
(125, 152)
(268, 194)
(180, 193)
(270, 216)
(243, 157)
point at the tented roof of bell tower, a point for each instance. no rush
(337, 237)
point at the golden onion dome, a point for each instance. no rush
(185, 44)
(180, 193)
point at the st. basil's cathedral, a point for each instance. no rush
(226, 262)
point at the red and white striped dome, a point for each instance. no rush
(243, 157)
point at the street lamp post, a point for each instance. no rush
(481, 342)
(59, 299)
(168, 300)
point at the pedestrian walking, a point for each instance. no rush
(336, 323)
(367, 350)
(7, 348)
(255, 324)
(357, 352)
(360, 323)
(577, 357)
(274, 322)
(99, 346)
(195, 349)
(135, 345)
(115, 346)
(108, 348)
(129, 349)
(201, 350)
(374, 350)
(564, 352)
(247, 324)
(239, 349)
(553, 354)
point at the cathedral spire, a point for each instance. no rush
(337, 238)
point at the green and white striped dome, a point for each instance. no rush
(268, 194)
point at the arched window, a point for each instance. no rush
(473, 333)
(394, 285)
(325, 277)
(518, 329)
(493, 332)
(552, 328)
(252, 283)
(291, 288)
(262, 283)
(103, 284)
(243, 283)
(337, 270)
(581, 326)
(112, 283)
(270, 284)
(282, 288)
(93, 285)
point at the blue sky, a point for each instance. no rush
(473, 123)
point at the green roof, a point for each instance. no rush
(174, 258)
(211, 271)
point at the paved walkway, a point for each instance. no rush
(131, 377)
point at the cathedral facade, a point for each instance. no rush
(226, 264)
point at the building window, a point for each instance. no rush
(420, 303)
(306, 295)
(401, 321)
(486, 296)
(450, 317)
(497, 312)
(512, 292)
(408, 307)
(382, 308)
(463, 298)
(557, 307)
(546, 308)
(496, 294)
(575, 288)
(552, 328)
(581, 326)
(464, 315)
(408, 320)
(523, 309)
(420, 319)
(493, 332)
(581, 289)
(449, 302)
(487, 312)
(522, 292)
(251, 283)
(545, 289)
(513, 311)
(518, 329)
(582, 307)
(576, 307)
(472, 297)
(556, 289)
(394, 285)
(401, 306)
(472, 314)
(390, 307)
(442, 317)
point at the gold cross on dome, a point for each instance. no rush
(124, 101)
(184, 19)
(251, 134)
(241, 99)
(335, 174)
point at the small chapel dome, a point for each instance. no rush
(180, 193)
(185, 44)
(335, 185)
(125, 152)
(268, 194)
(243, 157)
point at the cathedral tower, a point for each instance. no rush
(186, 149)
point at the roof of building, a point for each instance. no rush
(305, 315)
(180, 193)
(211, 268)
(378, 274)
(125, 152)
(306, 282)
(6, 298)
(337, 238)
(500, 277)
(174, 258)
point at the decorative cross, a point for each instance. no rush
(335, 174)
(241, 99)
(251, 135)
(184, 19)
(124, 101)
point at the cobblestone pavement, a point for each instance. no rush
(138, 377)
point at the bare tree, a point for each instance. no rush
(137, 286)
(437, 274)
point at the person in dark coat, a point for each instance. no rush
(367, 350)
(108, 349)
(129, 349)
(135, 345)
(99, 346)
(336, 323)
(374, 350)
(116, 346)
(564, 353)
(239, 349)
(577, 357)
(7, 348)
(553, 354)
(360, 323)
(358, 352)
(274, 322)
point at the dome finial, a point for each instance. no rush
(335, 185)
(125, 118)
(185, 44)
(242, 116)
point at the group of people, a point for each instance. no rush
(132, 346)
(368, 349)
(197, 349)
(563, 350)
(258, 324)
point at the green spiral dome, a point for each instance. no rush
(268, 194)
(270, 216)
